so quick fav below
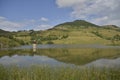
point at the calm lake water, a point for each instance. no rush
(63, 55)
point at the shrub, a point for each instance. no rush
(49, 42)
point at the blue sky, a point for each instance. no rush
(44, 14)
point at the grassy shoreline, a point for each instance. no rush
(76, 56)
(62, 73)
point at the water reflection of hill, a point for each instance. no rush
(78, 56)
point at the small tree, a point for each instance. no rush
(49, 42)
(115, 38)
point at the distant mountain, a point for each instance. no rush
(76, 32)
(76, 24)
(82, 32)
(3, 31)
(111, 27)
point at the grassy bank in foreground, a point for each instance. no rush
(47, 73)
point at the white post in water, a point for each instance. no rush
(34, 46)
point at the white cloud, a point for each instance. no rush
(44, 19)
(68, 3)
(9, 25)
(97, 11)
(2, 18)
(43, 27)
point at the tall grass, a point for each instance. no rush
(58, 73)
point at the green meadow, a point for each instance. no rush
(61, 73)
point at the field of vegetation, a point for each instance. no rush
(77, 56)
(59, 73)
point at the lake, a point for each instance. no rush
(62, 55)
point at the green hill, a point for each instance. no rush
(7, 39)
(76, 24)
(76, 32)
(82, 32)
(7, 43)
(2, 31)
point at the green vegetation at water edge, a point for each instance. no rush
(57, 73)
